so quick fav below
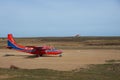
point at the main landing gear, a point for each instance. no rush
(39, 55)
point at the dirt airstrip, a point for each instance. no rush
(71, 59)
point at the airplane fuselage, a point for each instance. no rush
(39, 51)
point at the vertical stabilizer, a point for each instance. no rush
(10, 38)
(10, 41)
(12, 44)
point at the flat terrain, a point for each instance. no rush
(78, 52)
(71, 59)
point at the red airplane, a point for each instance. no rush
(38, 51)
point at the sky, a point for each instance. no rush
(37, 18)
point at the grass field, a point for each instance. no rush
(108, 71)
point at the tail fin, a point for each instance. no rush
(10, 38)
(10, 41)
(12, 44)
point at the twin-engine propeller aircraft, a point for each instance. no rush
(38, 51)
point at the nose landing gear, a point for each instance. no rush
(60, 55)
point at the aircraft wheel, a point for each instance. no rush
(41, 55)
(60, 55)
(38, 55)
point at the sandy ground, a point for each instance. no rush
(71, 59)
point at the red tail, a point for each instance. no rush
(10, 38)
(12, 44)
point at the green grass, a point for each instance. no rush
(93, 72)
(112, 61)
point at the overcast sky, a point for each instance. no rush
(34, 18)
